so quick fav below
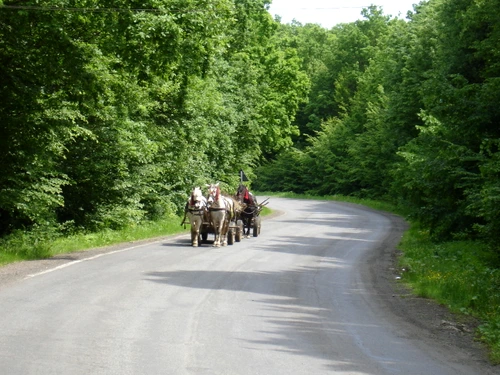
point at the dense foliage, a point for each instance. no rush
(405, 111)
(111, 111)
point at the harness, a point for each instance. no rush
(197, 211)
(193, 211)
(217, 208)
(219, 198)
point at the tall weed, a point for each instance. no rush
(33, 244)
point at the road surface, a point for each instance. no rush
(298, 299)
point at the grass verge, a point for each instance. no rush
(459, 275)
(46, 242)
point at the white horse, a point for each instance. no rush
(196, 210)
(221, 212)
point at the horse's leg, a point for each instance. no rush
(216, 234)
(225, 229)
(213, 224)
(222, 229)
(247, 225)
(224, 226)
(218, 224)
(193, 223)
(199, 225)
(196, 223)
(196, 235)
(217, 238)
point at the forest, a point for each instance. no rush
(404, 111)
(112, 111)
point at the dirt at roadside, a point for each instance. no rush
(422, 318)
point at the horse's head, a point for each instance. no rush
(197, 200)
(213, 194)
(244, 195)
(240, 192)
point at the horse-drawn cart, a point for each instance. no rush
(228, 219)
(221, 219)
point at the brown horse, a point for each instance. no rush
(250, 208)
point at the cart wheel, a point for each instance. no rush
(230, 237)
(239, 231)
(256, 227)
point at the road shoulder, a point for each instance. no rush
(420, 318)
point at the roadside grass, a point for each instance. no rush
(42, 243)
(46, 242)
(458, 274)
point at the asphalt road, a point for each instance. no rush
(295, 300)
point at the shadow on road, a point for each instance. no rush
(295, 304)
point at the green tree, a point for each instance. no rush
(451, 179)
(343, 89)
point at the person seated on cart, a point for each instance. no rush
(250, 210)
(245, 196)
